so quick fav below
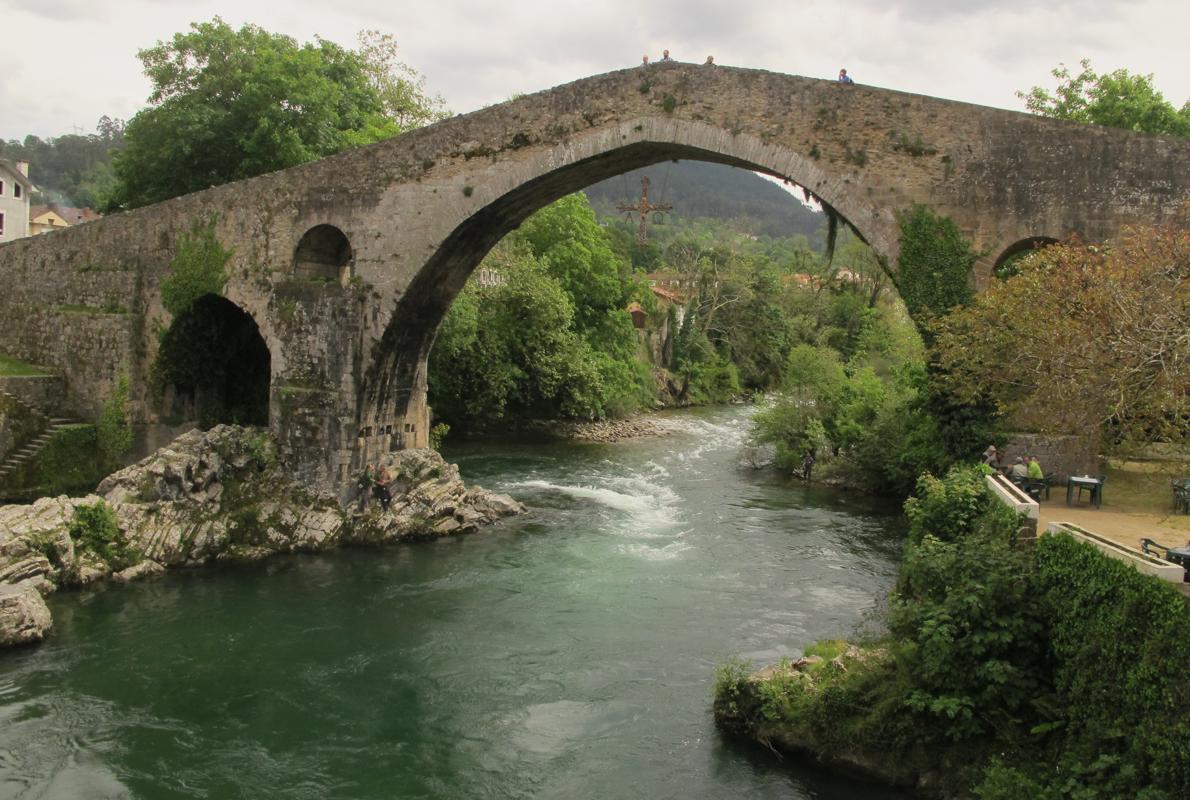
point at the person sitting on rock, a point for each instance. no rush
(382, 488)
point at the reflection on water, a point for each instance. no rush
(569, 653)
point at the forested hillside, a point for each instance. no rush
(699, 189)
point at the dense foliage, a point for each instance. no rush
(230, 104)
(553, 339)
(73, 169)
(114, 434)
(854, 391)
(1105, 346)
(1117, 99)
(196, 269)
(1051, 672)
(94, 531)
(934, 267)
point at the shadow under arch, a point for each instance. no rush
(397, 374)
(1018, 250)
(213, 366)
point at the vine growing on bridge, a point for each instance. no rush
(197, 268)
(934, 265)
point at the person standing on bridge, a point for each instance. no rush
(665, 59)
(844, 77)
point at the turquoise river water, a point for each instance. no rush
(569, 653)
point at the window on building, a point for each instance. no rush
(1, 223)
(16, 190)
(1, 188)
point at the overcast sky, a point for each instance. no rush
(66, 63)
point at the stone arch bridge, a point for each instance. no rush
(348, 264)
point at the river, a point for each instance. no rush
(569, 653)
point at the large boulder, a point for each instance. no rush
(429, 500)
(24, 617)
(218, 495)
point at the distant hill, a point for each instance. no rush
(702, 189)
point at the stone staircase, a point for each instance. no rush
(33, 447)
(30, 447)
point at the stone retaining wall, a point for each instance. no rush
(43, 393)
(1061, 456)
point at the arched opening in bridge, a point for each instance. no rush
(395, 395)
(1008, 262)
(213, 366)
(323, 254)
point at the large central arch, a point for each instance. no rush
(397, 381)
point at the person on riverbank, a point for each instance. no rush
(382, 488)
(807, 466)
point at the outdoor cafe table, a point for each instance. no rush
(1085, 482)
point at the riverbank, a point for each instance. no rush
(214, 496)
(994, 679)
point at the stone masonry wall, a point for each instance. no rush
(1062, 456)
(41, 392)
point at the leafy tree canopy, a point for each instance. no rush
(1117, 99)
(73, 169)
(230, 104)
(1104, 343)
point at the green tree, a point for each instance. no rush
(512, 351)
(1117, 99)
(1107, 346)
(402, 90)
(73, 169)
(230, 104)
(113, 431)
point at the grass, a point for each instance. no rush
(11, 367)
(1143, 486)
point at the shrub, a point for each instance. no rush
(197, 269)
(94, 530)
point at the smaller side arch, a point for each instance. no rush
(1005, 265)
(323, 253)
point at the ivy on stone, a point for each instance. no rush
(935, 263)
(197, 268)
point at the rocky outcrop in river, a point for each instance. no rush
(213, 496)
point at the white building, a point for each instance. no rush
(15, 189)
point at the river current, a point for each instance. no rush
(569, 653)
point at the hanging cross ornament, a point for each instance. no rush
(643, 207)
